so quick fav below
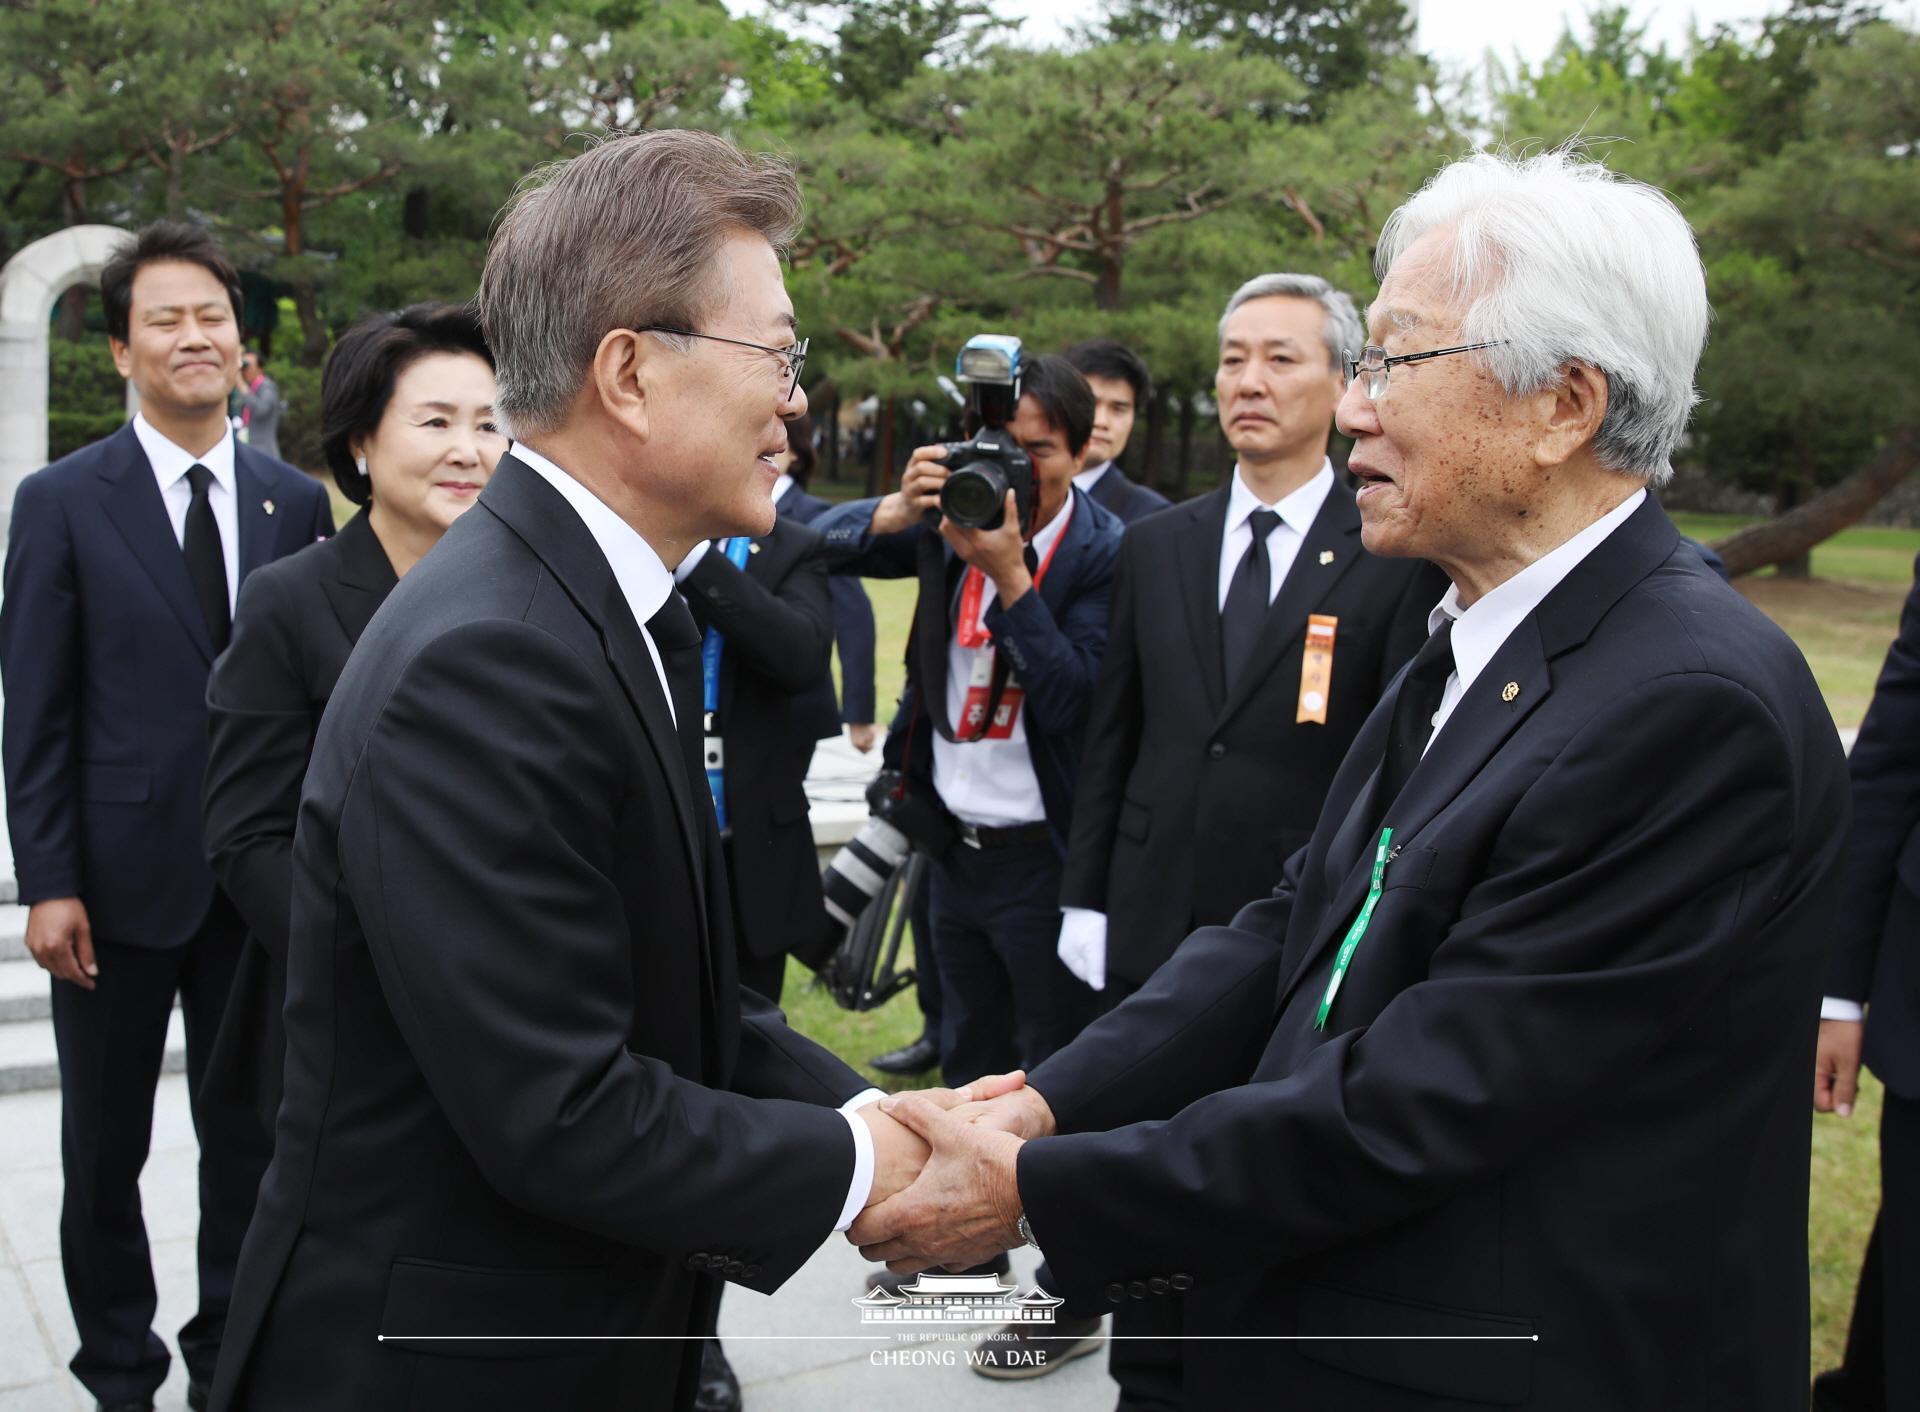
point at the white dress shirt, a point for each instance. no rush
(1090, 477)
(990, 783)
(645, 583)
(170, 463)
(1296, 511)
(1479, 631)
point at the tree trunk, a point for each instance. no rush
(1187, 419)
(176, 174)
(1793, 535)
(1153, 465)
(883, 448)
(415, 211)
(1106, 291)
(1800, 566)
(830, 425)
(72, 322)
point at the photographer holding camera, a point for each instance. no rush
(1006, 644)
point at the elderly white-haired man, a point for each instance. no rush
(1499, 1100)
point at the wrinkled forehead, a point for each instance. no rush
(1419, 290)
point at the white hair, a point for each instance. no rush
(1568, 262)
(1341, 331)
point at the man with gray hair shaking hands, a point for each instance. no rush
(529, 1113)
(1500, 1098)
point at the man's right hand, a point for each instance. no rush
(1836, 1066)
(919, 492)
(61, 939)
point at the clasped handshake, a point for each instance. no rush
(944, 1187)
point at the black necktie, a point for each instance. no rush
(1249, 593)
(1413, 712)
(678, 641)
(206, 559)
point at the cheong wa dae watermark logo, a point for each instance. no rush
(957, 1299)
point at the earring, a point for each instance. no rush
(360, 464)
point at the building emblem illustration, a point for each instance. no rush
(960, 1299)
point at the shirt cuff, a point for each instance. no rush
(1832, 1007)
(861, 1187)
(692, 561)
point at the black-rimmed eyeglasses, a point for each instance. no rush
(795, 357)
(1374, 364)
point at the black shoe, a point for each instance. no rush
(883, 1278)
(1034, 1350)
(199, 1394)
(719, 1388)
(132, 1405)
(920, 1057)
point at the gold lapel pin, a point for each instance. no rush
(267, 505)
(1326, 556)
(1510, 691)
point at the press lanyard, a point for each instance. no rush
(970, 631)
(711, 646)
(1356, 931)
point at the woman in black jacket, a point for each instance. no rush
(408, 428)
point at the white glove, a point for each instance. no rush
(1083, 944)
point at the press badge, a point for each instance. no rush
(1316, 669)
(974, 724)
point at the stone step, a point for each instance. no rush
(25, 992)
(27, 1056)
(13, 930)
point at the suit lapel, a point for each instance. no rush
(257, 526)
(1481, 722)
(1331, 547)
(1199, 566)
(362, 579)
(133, 503)
(1510, 688)
(540, 516)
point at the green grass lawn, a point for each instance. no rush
(1843, 619)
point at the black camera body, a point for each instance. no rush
(984, 469)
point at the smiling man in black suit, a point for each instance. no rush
(1500, 1098)
(525, 1094)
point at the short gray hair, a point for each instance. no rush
(622, 236)
(1568, 262)
(1341, 331)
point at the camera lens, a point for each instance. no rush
(974, 496)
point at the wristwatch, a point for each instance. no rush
(1026, 1231)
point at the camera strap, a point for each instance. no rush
(984, 716)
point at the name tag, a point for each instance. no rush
(974, 724)
(1316, 669)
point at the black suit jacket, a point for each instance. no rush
(1563, 1089)
(1191, 798)
(105, 655)
(517, 1059)
(1877, 945)
(1127, 500)
(775, 620)
(297, 620)
(852, 622)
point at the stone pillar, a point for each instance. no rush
(29, 286)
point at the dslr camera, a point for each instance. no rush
(984, 469)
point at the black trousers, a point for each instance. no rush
(111, 1041)
(1881, 1371)
(1008, 1000)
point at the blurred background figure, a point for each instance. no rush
(1121, 387)
(852, 609)
(1872, 1013)
(260, 406)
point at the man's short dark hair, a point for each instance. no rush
(1103, 358)
(363, 367)
(163, 240)
(1063, 395)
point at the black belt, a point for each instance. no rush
(1018, 835)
